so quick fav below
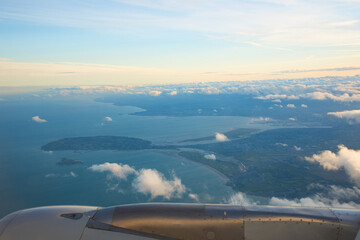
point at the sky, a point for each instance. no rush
(137, 42)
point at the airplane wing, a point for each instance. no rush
(180, 221)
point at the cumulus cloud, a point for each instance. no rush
(351, 116)
(290, 105)
(304, 105)
(348, 159)
(292, 119)
(173, 93)
(108, 119)
(38, 119)
(341, 98)
(155, 93)
(146, 181)
(210, 156)
(221, 137)
(117, 170)
(150, 181)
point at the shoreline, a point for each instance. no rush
(175, 154)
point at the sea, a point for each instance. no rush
(30, 177)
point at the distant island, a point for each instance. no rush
(67, 161)
(101, 143)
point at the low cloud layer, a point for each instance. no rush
(146, 181)
(221, 137)
(38, 119)
(352, 116)
(348, 159)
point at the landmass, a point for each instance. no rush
(266, 163)
(68, 161)
(101, 143)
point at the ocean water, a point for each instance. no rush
(30, 177)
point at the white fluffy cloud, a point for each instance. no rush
(221, 137)
(108, 119)
(173, 93)
(155, 93)
(341, 98)
(348, 159)
(240, 199)
(150, 181)
(331, 196)
(38, 119)
(147, 181)
(304, 105)
(351, 116)
(210, 156)
(117, 170)
(292, 119)
(290, 105)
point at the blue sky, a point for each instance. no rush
(135, 42)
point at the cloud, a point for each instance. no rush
(241, 199)
(53, 175)
(194, 197)
(50, 175)
(146, 181)
(292, 119)
(304, 105)
(297, 148)
(150, 181)
(291, 105)
(340, 98)
(348, 159)
(330, 196)
(38, 119)
(221, 137)
(155, 93)
(351, 115)
(273, 96)
(173, 93)
(2, 99)
(108, 119)
(70, 174)
(118, 170)
(281, 144)
(210, 156)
